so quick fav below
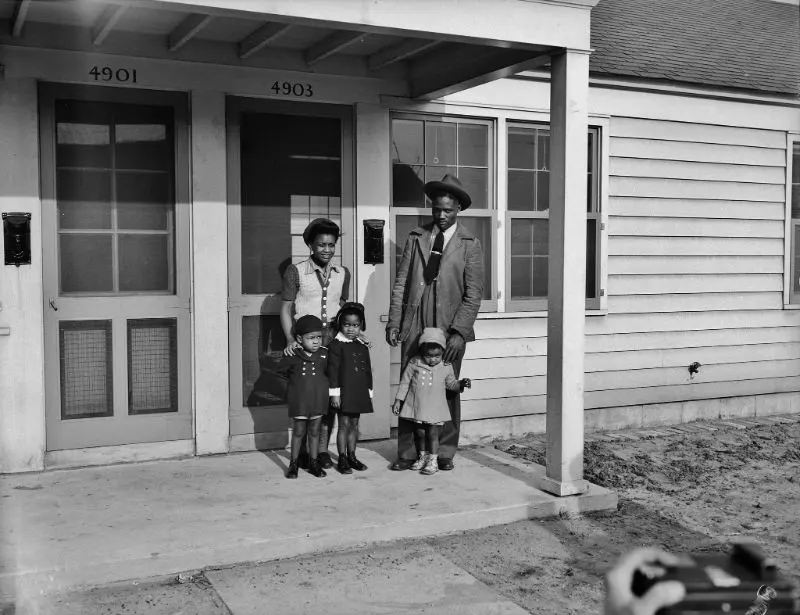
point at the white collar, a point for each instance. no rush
(341, 337)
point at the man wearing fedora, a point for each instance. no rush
(439, 283)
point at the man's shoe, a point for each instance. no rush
(343, 466)
(302, 460)
(292, 471)
(356, 464)
(315, 470)
(401, 464)
(325, 460)
(445, 464)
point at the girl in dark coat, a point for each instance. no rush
(350, 378)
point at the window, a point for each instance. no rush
(425, 148)
(527, 216)
(794, 196)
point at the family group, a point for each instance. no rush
(435, 299)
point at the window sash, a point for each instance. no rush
(793, 217)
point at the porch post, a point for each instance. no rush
(569, 88)
(210, 272)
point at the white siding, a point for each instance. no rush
(695, 273)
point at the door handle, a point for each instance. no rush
(53, 304)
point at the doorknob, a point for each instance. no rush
(53, 304)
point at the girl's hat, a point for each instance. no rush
(351, 307)
(320, 226)
(432, 335)
(307, 324)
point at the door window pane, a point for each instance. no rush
(86, 263)
(85, 368)
(143, 146)
(262, 347)
(152, 366)
(144, 200)
(83, 145)
(303, 156)
(83, 199)
(143, 263)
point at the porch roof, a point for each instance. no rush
(439, 49)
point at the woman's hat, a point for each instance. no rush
(432, 335)
(307, 324)
(451, 184)
(320, 226)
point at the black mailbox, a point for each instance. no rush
(373, 241)
(17, 238)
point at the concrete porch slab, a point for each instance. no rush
(90, 526)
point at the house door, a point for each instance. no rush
(288, 164)
(115, 247)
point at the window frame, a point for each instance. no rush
(598, 213)
(791, 297)
(490, 211)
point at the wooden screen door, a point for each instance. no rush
(115, 208)
(288, 164)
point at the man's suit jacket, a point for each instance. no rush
(459, 287)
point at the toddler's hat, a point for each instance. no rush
(307, 324)
(432, 335)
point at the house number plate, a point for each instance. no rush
(116, 75)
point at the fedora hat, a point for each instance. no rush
(449, 183)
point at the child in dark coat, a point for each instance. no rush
(350, 377)
(307, 392)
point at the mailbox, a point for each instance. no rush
(373, 241)
(17, 238)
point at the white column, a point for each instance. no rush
(373, 182)
(209, 273)
(22, 416)
(569, 88)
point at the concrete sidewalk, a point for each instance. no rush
(92, 526)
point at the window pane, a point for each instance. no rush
(435, 173)
(482, 229)
(440, 143)
(143, 146)
(521, 237)
(408, 185)
(591, 252)
(796, 201)
(262, 346)
(85, 262)
(86, 368)
(542, 190)
(521, 276)
(543, 149)
(84, 199)
(143, 200)
(83, 145)
(529, 253)
(521, 190)
(473, 145)
(144, 263)
(152, 366)
(476, 183)
(521, 148)
(407, 141)
(796, 244)
(796, 163)
(539, 276)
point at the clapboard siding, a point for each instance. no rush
(704, 171)
(648, 265)
(695, 258)
(654, 149)
(696, 208)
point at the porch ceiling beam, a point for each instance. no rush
(18, 19)
(398, 52)
(106, 22)
(260, 38)
(331, 45)
(459, 69)
(187, 29)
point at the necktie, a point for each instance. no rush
(432, 267)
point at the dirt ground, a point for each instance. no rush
(688, 492)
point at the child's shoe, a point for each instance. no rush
(431, 466)
(315, 469)
(302, 460)
(292, 471)
(421, 461)
(343, 465)
(325, 460)
(355, 463)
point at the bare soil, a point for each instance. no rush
(692, 490)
